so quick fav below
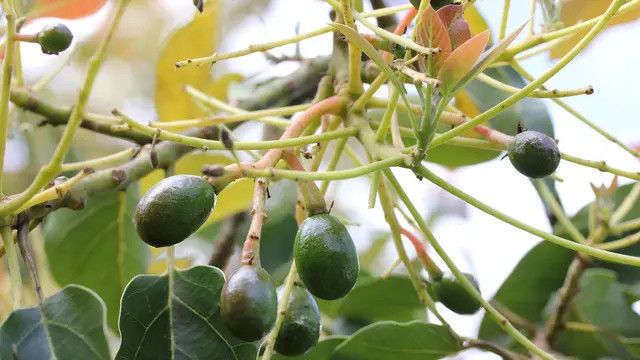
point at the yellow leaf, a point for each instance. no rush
(477, 24)
(236, 197)
(196, 39)
(574, 11)
(465, 104)
(190, 164)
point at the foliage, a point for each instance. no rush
(456, 95)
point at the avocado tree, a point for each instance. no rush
(93, 248)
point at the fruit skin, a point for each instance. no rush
(300, 328)
(173, 209)
(452, 295)
(248, 303)
(54, 38)
(534, 154)
(326, 257)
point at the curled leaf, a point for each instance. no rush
(455, 23)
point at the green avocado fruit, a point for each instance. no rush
(534, 154)
(300, 327)
(326, 257)
(54, 38)
(173, 209)
(452, 294)
(248, 303)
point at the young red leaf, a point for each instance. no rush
(70, 9)
(461, 61)
(452, 17)
(432, 33)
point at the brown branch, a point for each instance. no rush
(251, 248)
(330, 105)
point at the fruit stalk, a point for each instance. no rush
(502, 321)
(331, 105)
(313, 200)
(283, 304)
(14, 265)
(251, 248)
(27, 255)
(418, 284)
(434, 272)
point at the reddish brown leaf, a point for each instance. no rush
(461, 61)
(453, 19)
(67, 9)
(432, 33)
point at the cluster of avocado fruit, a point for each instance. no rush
(324, 253)
(327, 265)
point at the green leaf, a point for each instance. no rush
(164, 317)
(375, 299)
(70, 325)
(389, 340)
(600, 293)
(528, 288)
(322, 351)
(97, 247)
(545, 266)
(456, 156)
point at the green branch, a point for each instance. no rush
(468, 286)
(49, 171)
(503, 105)
(588, 250)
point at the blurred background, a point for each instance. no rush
(478, 243)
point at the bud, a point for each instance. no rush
(225, 137)
(199, 4)
(213, 170)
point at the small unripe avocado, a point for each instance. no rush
(534, 154)
(300, 327)
(173, 209)
(451, 294)
(54, 38)
(326, 257)
(248, 303)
